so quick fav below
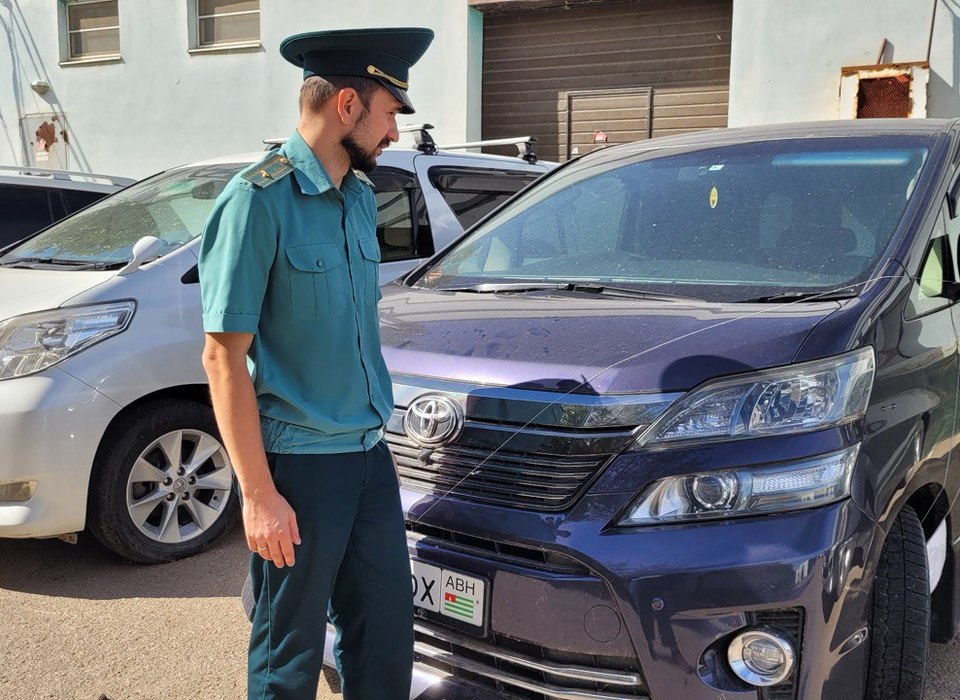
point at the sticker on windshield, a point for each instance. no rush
(714, 197)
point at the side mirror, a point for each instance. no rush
(146, 249)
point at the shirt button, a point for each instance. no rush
(319, 262)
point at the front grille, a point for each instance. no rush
(516, 669)
(503, 477)
(789, 621)
(514, 447)
(518, 555)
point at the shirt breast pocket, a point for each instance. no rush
(370, 249)
(317, 286)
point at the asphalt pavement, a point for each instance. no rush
(79, 624)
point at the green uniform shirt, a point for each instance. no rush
(294, 261)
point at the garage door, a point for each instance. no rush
(617, 71)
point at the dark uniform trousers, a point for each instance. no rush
(354, 555)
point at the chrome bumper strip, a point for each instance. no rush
(582, 673)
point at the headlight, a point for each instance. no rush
(747, 491)
(34, 342)
(793, 399)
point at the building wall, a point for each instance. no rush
(787, 55)
(161, 106)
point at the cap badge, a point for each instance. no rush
(373, 70)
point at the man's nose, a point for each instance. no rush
(392, 133)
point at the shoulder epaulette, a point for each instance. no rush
(268, 171)
(362, 177)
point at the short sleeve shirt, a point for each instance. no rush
(296, 264)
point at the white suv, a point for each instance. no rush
(104, 410)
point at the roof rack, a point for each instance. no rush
(422, 137)
(66, 174)
(525, 146)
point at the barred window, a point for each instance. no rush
(221, 22)
(93, 29)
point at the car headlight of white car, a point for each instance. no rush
(33, 342)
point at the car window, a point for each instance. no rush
(472, 193)
(397, 223)
(726, 223)
(25, 210)
(171, 206)
(78, 199)
(927, 293)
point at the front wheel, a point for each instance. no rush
(900, 614)
(162, 486)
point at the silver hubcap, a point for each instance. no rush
(179, 486)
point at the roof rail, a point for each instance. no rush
(66, 174)
(422, 137)
(525, 145)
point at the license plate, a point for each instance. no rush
(448, 593)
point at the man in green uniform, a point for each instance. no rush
(288, 275)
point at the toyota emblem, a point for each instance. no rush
(432, 420)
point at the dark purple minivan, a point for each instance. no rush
(680, 422)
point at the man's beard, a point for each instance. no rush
(365, 161)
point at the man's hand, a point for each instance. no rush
(271, 528)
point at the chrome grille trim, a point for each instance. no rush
(583, 673)
(500, 404)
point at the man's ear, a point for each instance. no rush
(349, 106)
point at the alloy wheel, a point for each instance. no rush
(179, 486)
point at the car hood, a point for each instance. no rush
(557, 341)
(23, 291)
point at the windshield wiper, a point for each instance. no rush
(498, 287)
(30, 262)
(832, 295)
(42, 261)
(625, 292)
(583, 287)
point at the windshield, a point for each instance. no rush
(172, 206)
(729, 223)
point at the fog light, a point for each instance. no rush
(761, 657)
(17, 491)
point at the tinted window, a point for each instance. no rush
(25, 210)
(929, 290)
(78, 199)
(472, 193)
(728, 223)
(402, 228)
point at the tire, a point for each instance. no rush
(900, 614)
(162, 486)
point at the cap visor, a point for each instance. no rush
(401, 95)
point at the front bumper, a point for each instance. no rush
(589, 613)
(51, 425)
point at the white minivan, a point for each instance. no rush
(105, 419)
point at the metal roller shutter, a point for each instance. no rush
(629, 68)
